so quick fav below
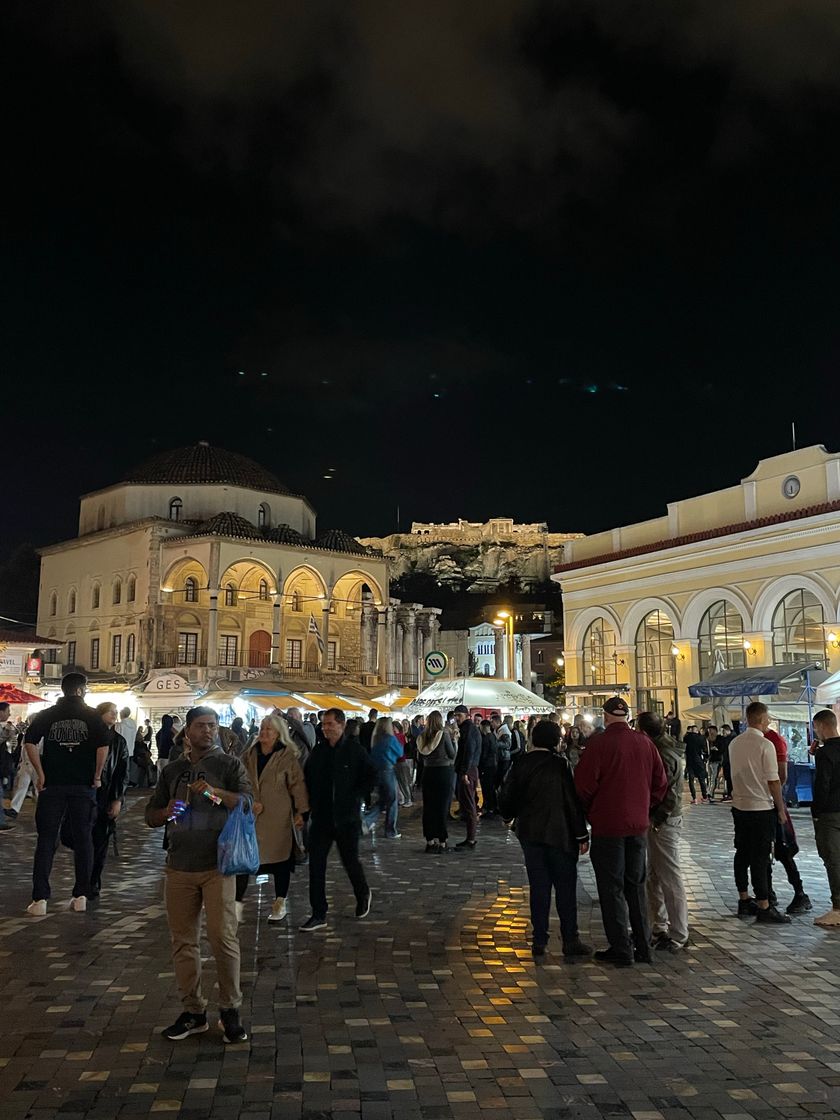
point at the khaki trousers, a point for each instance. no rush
(185, 893)
(667, 904)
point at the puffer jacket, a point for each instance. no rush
(540, 793)
(672, 754)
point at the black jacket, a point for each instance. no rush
(540, 793)
(115, 770)
(827, 779)
(338, 778)
(469, 748)
(695, 750)
(489, 751)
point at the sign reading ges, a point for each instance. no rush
(168, 682)
(435, 663)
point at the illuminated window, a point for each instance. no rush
(187, 649)
(190, 590)
(294, 653)
(228, 649)
(331, 655)
(130, 647)
(116, 649)
(297, 601)
(264, 590)
(71, 653)
(599, 654)
(721, 640)
(230, 595)
(94, 653)
(799, 629)
(175, 508)
(654, 660)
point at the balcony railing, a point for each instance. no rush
(343, 667)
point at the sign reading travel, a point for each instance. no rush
(435, 663)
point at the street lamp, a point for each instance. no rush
(504, 620)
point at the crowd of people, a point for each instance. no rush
(614, 790)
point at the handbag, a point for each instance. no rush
(238, 851)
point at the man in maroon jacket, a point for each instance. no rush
(619, 779)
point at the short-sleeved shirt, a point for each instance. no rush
(752, 761)
(779, 745)
(72, 733)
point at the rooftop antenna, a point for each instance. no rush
(793, 433)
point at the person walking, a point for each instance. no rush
(550, 825)
(786, 846)
(825, 809)
(488, 769)
(25, 778)
(338, 773)
(280, 800)
(436, 749)
(193, 881)
(666, 899)
(619, 779)
(756, 807)
(713, 750)
(466, 768)
(385, 753)
(74, 749)
(695, 763)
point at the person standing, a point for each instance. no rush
(127, 727)
(715, 759)
(338, 773)
(724, 740)
(403, 769)
(109, 797)
(164, 739)
(695, 763)
(193, 880)
(756, 807)
(466, 768)
(673, 726)
(69, 772)
(5, 742)
(488, 769)
(825, 809)
(366, 733)
(786, 847)
(385, 753)
(551, 827)
(280, 800)
(435, 747)
(619, 779)
(666, 898)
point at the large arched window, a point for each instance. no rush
(71, 603)
(654, 659)
(264, 590)
(264, 516)
(721, 639)
(117, 595)
(130, 647)
(94, 597)
(131, 590)
(175, 508)
(799, 629)
(599, 655)
(190, 590)
(53, 605)
(230, 595)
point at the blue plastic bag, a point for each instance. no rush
(239, 853)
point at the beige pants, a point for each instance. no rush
(185, 893)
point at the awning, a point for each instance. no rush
(791, 712)
(594, 689)
(487, 693)
(761, 680)
(829, 691)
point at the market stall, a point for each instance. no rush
(479, 694)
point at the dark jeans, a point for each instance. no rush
(282, 873)
(346, 839)
(467, 790)
(489, 776)
(437, 798)
(101, 833)
(386, 784)
(727, 776)
(552, 867)
(79, 803)
(620, 865)
(754, 835)
(699, 773)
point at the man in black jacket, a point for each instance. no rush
(695, 763)
(466, 769)
(825, 808)
(338, 773)
(110, 795)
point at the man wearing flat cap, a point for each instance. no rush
(619, 779)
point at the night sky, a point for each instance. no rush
(557, 261)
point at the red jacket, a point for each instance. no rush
(619, 779)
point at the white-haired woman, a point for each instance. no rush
(280, 800)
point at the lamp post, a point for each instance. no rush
(504, 620)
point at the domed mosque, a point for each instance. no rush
(202, 565)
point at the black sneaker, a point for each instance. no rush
(312, 923)
(610, 956)
(363, 907)
(186, 1024)
(800, 904)
(232, 1030)
(642, 956)
(772, 917)
(747, 907)
(576, 948)
(466, 846)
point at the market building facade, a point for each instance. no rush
(747, 576)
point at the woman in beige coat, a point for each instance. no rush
(280, 800)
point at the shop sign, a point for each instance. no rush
(168, 683)
(11, 663)
(435, 663)
(34, 666)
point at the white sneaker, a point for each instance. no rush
(827, 920)
(278, 910)
(240, 912)
(37, 909)
(79, 904)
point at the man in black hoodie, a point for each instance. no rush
(825, 808)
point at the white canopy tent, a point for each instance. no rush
(506, 697)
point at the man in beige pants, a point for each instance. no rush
(209, 783)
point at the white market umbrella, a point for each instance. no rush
(477, 692)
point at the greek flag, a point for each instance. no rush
(313, 629)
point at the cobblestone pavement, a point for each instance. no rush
(430, 1009)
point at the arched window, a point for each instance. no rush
(53, 605)
(799, 629)
(117, 596)
(71, 603)
(264, 516)
(721, 639)
(175, 508)
(190, 590)
(94, 597)
(264, 590)
(230, 595)
(130, 647)
(131, 591)
(297, 601)
(599, 655)
(656, 674)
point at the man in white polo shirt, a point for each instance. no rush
(756, 806)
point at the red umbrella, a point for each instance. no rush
(9, 694)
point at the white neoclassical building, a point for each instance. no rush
(745, 576)
(202, 563)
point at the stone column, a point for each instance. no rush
(364, 635)
(325, 631)
(213, 620)
(526, 661)
(409, 644)
(500, 651)
(383, 643)
(276, 625)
